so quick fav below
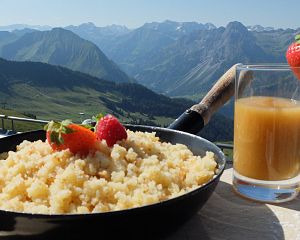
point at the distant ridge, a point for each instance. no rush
(259, 28)
(22, 26)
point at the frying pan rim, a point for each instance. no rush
(221, 168)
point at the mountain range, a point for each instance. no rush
(194, 62)
(185, 59)
(107, 37)
(178, 59)
(173, 58)
(186, 63)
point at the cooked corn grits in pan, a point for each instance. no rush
(138, 171)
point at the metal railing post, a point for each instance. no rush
(12, 125)
(2, 123)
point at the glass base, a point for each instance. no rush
(266, 191)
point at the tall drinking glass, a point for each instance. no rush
(267, 133)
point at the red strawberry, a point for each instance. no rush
(110, 129)
(76, 138)
(293, 56)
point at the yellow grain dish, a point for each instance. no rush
(135, 172)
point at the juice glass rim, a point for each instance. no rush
(265, 67)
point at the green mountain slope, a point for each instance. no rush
(6, 37)
(64, 48)
(53, 92)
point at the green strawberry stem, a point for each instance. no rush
(97, 117)
(56, 130)
(297, 38)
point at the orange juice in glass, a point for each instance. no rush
(267, 133)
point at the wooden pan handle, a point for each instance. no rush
(218, 95)
(195, 118)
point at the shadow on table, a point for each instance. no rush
(227, 216)
(294, 204)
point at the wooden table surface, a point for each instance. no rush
(228, 216)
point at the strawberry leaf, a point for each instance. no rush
(66, 122)
(52, 126)
(54, 137)
(87, 126)
(57, 129)
(67, 130)
(97, 117)
(60, 139)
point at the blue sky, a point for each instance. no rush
(134, 13)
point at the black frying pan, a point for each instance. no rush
(147, 222)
